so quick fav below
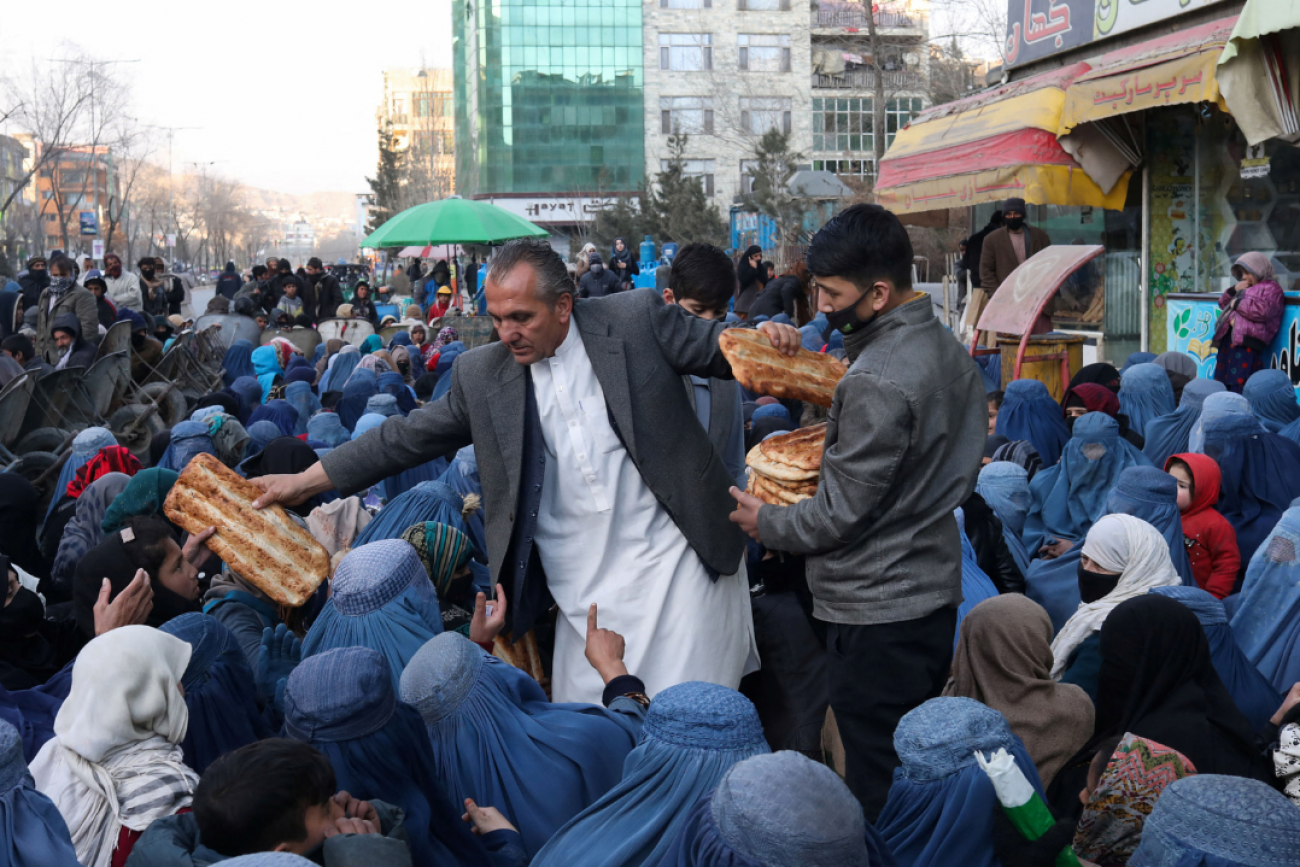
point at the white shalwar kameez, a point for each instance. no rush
(603, 537)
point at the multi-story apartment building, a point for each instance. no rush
(13, 157)
(299, 241)
(418, 107)
(723, 72)
(73, 191)
(844, 88)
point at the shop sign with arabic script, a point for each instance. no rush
(1039, 28)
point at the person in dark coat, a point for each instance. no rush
(103, 307)
(229, 281)
(74, 350)
(599, 281)
(362, 305)
(1004, 249)
(622, 261)
(33, 283)
(324, 290)
(970, 260)
(750, 279)
(778, 296)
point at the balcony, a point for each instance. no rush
(853, 16)
(865, 79)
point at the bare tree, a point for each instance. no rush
(980, 26)
(134, 145)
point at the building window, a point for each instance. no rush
(843, 124)
(747, 170)
(764, 52)
(758, 114)
(686, 114)
(686, 52)
(422, 106)
(685, 4)
(47, 194)
(51, 218)
(702, 169)
(399, 105)
(847, 168)
(763, 5)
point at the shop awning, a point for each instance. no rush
(1176, 68)
(1259, 70)
(989, 147)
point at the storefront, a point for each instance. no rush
(1150, 114)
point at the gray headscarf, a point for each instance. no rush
(83, 532)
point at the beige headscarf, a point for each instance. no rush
(1004, 659)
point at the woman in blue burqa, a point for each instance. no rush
(1261, 476)
(1267, 617)
(1029, 413)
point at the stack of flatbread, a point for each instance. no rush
(764, 369)
(787, 467)
(264, 546)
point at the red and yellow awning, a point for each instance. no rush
(1176, 68)
(990, 147)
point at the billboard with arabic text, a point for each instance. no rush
(1040, 28)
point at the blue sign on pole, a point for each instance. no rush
(89, 223)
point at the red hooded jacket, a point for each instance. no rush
(1211, 541)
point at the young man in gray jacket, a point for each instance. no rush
(903, 448)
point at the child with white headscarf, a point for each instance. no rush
(115, 761)
(1128, 548)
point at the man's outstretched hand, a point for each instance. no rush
(746, 514)
(605, 649)
(290, 490)
(786, 338)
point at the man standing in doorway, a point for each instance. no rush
(1006, 248)
(902, 451)
(599, 484)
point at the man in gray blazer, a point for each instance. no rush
(622, 442)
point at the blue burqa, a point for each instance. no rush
(341, 366)
(1137, 358)
(266, 366)
(281, 413)
(941, 804)
(693, 734)
(382, 404)
(427, 501)
(781, 808)
(1145, 394)
(498, 739)
(1143, 492)
(1267, 620)
(381, 598)
(260, 434)
(189, 438)
(1272, 399)
(975, 585)
(237, 362)
(33, 832)
(1217, 405)
(356, 394)
(32, 711)
(1069, 497)
(1005, 487)
(249, 393)
(1170, 434)
(219, 691)
(343, 703)
(1261, 476)
(326, 427)
(85, 446)
(300, 397)
(392, 383)
(394, 486)
(1254, 696)
(1029, 413)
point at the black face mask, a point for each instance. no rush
(137, 340)
(1095, 585)
(147, 273)
(846, 321)
(1015, 224)
(404, 367)
(41, 278)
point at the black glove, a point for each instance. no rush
(1013, 850)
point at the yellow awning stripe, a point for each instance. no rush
(1036, 184)
(1040, 109)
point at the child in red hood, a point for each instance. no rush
(1211, 541)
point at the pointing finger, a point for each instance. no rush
(591, 619)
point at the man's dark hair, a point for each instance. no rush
(63, 265)
(259, 271)
(704, 274)
(147, 260)
(255, 798)
(553, 278)
(283, 266)
(863, 244)
(314, 262)
(92, 282)
(21, 344)
(995, 398)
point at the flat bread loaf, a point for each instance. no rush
(264, 546)
(801, 448)
(764, 369)
(763, 465)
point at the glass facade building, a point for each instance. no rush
(549, 96)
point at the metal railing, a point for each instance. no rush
(854, 16)
(865, 79)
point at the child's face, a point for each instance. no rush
(1186, 487)
(317, 819)
(993, 418)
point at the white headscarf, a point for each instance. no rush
(1131, 547)
(115, 759)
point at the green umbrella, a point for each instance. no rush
(452, 221)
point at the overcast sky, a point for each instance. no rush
(284, 91)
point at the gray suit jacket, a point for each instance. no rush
(639, 349)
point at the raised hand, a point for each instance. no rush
(605, 649)
(279, 655)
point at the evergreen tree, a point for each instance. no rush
(774, 165)
(386, 185)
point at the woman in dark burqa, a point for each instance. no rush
(20, 514)
(1157, 680)
(32, 649)
(286, 455)
(751, 277)
(281, 413)
(228, 402)
(237, 361)
(143, 543)
(361, 386)
(248, 391)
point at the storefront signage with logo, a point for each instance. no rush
(1039, 28)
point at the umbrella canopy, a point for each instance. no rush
(452, 221)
